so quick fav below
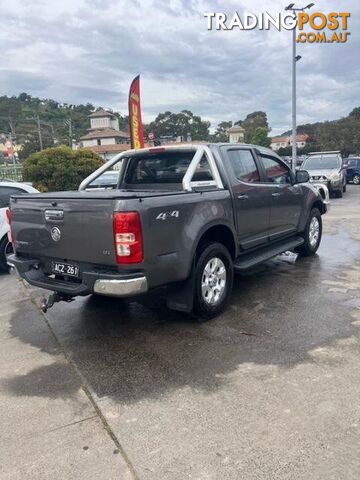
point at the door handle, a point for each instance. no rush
(277, 194)
(242, 197)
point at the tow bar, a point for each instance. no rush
(54, 298)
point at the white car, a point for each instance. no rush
(7, 189)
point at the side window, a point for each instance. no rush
(5, 193)
(244, 165)
(276, 171)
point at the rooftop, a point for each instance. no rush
(279, 139)
(236, 129)
(100, 112)
(299, 138)
(114, 148)
(105, 133)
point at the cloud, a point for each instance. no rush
(88, 51)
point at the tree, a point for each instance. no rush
(355, 113)
(32, 145)
(60, 168)
(252, 122)
(260, 137)
(221, 134)
(180, 124)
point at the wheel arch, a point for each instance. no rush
(319, 205)
(220, 233)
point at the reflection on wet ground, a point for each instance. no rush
(278, 312)
(268, 390)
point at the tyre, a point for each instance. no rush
(356, 179)
(5, 249)
(312, 234)
(338, 193)
(213, 281)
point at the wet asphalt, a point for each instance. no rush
(270, 389)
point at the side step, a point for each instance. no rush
(247, 261)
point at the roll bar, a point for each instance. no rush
(187, 183)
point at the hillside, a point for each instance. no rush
(342, 134)
(22, 116)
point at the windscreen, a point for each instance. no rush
(321, 163)
(153, 170)
(107, 180)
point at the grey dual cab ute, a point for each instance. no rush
(184, 217)
(327, 168)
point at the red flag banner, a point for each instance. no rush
(136, 127)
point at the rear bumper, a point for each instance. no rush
(104, 283)
(121, 287)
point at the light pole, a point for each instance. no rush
(294, 59)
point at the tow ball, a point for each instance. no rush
(55, 297)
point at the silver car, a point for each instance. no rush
(327, 168)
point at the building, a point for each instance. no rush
(236, 134)
(280, 142)
(300, 140)
(104, 136)
(286, 141)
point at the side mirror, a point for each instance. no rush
(302, 176)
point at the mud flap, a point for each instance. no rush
(182, 298)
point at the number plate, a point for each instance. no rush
(65, 269)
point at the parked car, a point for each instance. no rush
(234, 207)
(8, 188)
(107, 180)
(327, 168)
(353, 170)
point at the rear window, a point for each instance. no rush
(165, 168)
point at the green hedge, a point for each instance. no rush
(60, 168)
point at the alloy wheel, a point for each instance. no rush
(213, 281)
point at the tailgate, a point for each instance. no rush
(79, 229)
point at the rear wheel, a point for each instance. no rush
(5, 249)
(356, 179)
(213, 281)
(312, 234)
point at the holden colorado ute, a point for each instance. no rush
(184, 217)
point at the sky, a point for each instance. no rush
(79, 51)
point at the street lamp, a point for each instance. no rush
(294, 59)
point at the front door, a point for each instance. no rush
(286, 198)
(251, 206)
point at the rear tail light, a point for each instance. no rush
(128, 237)
(8, 221)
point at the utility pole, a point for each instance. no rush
(39, 132)
(293, 106)
(13, 156)
(68, 122)
(294, 59)
(70, 132)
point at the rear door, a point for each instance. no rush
(251, 205)
(286, 198)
